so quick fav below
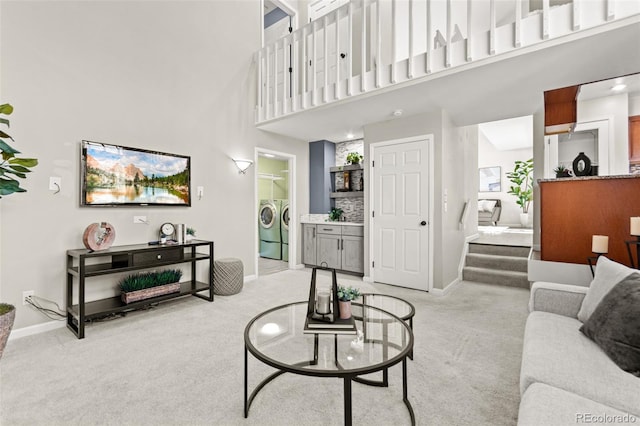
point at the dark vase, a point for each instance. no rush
(582, 165)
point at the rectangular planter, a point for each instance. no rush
(147, 293)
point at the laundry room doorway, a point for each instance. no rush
(275, 211)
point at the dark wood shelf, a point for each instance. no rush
(347, 194)
(125, 259)
(345, 168)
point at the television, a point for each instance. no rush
(113, 175)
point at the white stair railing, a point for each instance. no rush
(366, 45)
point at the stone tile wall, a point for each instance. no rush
(634, 169)
(353, 207)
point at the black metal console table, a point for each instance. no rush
(83, 264)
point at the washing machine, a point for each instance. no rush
(269, 229)
(284, 229)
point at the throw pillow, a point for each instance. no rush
(489, 205)
(481, 205)
(615, 324)
(608, 274)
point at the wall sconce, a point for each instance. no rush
(599, 246)
(635, 231)
(242, 164)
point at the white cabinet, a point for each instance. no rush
(334, 246)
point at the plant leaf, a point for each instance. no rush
(6, 148)
(4, 121)
(9, 186)
(4, 135)
(18, 168)
(26, 162)
(6, 109)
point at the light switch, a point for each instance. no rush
(200, 191)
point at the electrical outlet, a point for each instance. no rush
(140, 219)
(25, 295)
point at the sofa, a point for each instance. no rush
(489, 212)
(566, 377)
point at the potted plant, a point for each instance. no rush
(145, 285)
(562, 172)
(354, 158)
(522, 179)
(11, 167)
(191, 234)
(335, 213)
(345, 296)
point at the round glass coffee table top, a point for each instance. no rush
(392, 304)
(277, 337)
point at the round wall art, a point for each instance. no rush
(99, 236)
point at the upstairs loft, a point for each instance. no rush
(368, 57)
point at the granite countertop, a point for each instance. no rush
(330, 222)
(574, 178)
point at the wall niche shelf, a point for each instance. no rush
(344, 194)
(83, 264)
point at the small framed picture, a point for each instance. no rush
(489, 179)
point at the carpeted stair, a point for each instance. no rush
(497, 264)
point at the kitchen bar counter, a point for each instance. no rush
(576, 178)
(330, 222)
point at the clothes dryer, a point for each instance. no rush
(269, 229)
(284, 229)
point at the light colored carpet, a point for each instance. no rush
(182, 363)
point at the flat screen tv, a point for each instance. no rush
(113, 175)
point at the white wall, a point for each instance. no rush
(489, 156)
(616, 110)
(634, 105)
(155, 75)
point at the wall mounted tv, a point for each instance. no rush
(113, 175)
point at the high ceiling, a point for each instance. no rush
(501, 87)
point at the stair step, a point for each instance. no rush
(517, 251)
(490, 276)
(491, 261)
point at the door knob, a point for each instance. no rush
(423, 223)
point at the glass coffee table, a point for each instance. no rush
(276, 338)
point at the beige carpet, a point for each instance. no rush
(182, 363)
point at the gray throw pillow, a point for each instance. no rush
(615, 324)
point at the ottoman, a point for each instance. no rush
(228, 276)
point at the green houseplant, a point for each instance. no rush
(335, 213)
(354, 158)
(191, 234)
(522, 186)
(11, 169)
(345, 296)
(144, 285)
(561, 171)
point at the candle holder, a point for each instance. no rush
(636, 243)
(323, 303)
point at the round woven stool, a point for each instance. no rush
(228, 276)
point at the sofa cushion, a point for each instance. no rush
(615, 324)
(608, 273)
(555, 352)
(550, 406)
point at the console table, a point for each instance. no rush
(83, 264)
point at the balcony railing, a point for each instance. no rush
(367, 45)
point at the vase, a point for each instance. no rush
(345, 309)
(524, 219)
(6, 323)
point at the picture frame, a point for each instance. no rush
(490, 179)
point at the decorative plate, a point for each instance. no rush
(99, 236)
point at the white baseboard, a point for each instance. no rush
(36, 329)
(443, 291)
(367, 279)
(299, 266)
(250, 278)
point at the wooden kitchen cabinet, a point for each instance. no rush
(634, 139)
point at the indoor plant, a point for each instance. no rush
(345, 296)
(335, 213)
(522, 179)
(561, 171)
(18, 167)
(144, 285)
(191, 234)
(354, 158)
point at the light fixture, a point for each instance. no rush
(242, 164)
(618, 87)
(599, 246)
(349, 135)
(397, 113)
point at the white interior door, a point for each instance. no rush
(400, 177)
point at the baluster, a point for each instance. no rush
(314, 74)
(447, 49)
(518, 28)
(337, 86)
(545, 19)
(268, 82)
(294, 73)
(260, 86)
(469, 20)
(427, 64)
(492, 27)
(410, 62)
(350, 51)
(325, 41)
(611, 9)
(305, 70)
(576, 15)
(394, 41)
(363, 58)
(378, 43)
(285, 74)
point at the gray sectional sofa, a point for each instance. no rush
(566, 378)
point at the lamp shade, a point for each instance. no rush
(635, 226)
(242, 164)
(600, 244)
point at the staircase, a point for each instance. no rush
(497, 264)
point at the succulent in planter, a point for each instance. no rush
(7, 316)
(191, 234)
(562, 171)
(354, 158)
(347, 294)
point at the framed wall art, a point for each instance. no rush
(489, 179)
